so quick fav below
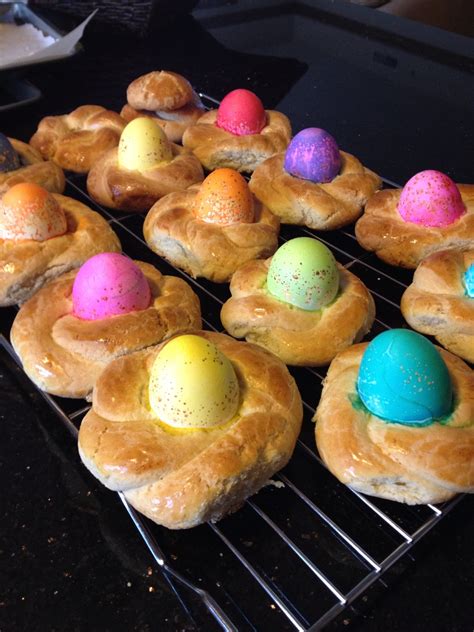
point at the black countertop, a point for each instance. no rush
(398, 96)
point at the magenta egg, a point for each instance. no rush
(109, 284)
(431, 198)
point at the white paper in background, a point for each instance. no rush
(60, 48)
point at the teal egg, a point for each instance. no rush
(404, 379)
(469, 281)
(303, 272)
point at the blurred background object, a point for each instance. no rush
(137, 15)
(452, 15)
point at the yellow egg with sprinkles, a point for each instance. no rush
(143, 145)
(193, 384)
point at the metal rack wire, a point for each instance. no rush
(305, 524)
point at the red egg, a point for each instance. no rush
(241, 113)
(224, 198)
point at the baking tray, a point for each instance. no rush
(305, 547)
(20, 13)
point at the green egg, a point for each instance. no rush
(303, 272)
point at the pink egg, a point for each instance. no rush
(241, 113)
(109, 284)
(431, 198)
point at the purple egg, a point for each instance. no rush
(313, 155)
(9, 160)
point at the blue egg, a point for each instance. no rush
(9, 160)
(404, 379)
(469, 281)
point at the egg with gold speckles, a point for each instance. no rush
(143, 145)
(224, 198)
(193, 384)
(109, 284)
(313, 155)
(28, 211)
(431, 198)
(9, 160)
(403, 378)
(303, 273)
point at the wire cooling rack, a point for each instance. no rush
(305, 547)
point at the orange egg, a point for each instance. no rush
(224, 198)
(27, 211)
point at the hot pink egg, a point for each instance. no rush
(241, 113)
(109, 284)
(431, 198)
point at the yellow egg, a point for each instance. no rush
(192, 384)
(143, 145)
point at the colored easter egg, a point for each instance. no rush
(403, 378)
(193, 384)
(303, 272)
(109, 284)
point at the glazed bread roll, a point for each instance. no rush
(413, 465)
(321, 206)
(76, 140)
(215, 147)
(144, 168)
(166, 96)
(182, 477)
(29, 259)
(297, 336)
(178, 227)
(438, 304)
(64, 354)
(31, 168)
(445, 220)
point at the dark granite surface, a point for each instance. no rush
(69, 557)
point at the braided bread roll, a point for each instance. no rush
(64, 355)
(75, 141)
(168, 98)
(215, 147)
(400, 243)
(296, 336)
(26, 265)
(210, 250)
(321, 206)
(413, 465)
(33, 168)
(436, 302)
(182, 478)
(136, 191)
